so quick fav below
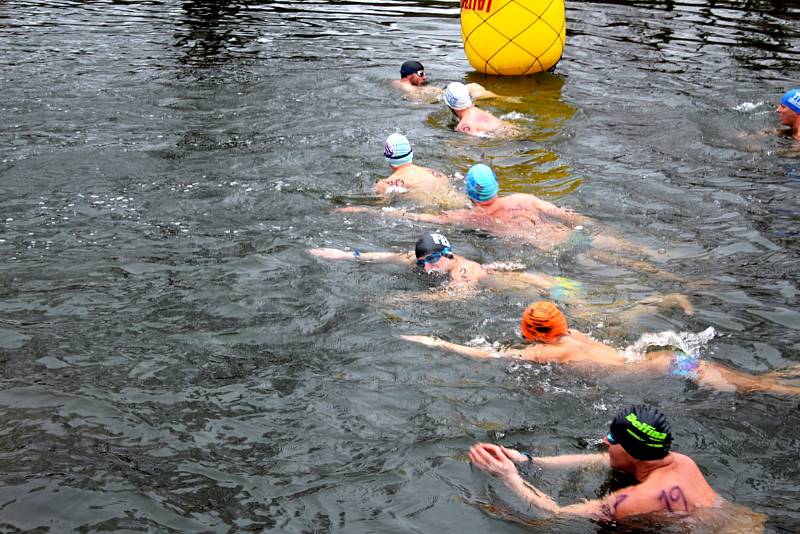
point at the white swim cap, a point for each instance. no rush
(397, 150)
(457, 96)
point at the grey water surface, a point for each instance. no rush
(173, 360)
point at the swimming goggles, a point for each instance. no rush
(430, 258)
(610, 439)
(421, 73)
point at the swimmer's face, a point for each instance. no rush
(618, 458)
(436, 267)
(418, 78)
(786, 115)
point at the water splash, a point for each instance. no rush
(688, 342)
(745, 107)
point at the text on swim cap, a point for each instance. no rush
(476, 5)
(644, 428)
(439, 239)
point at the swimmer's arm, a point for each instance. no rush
(537, 353)
(491, 459)
(564, 215)
(472, 352)
(478, 92)
(542, 353)
(381, 186)
(566, 461)
(398, 214)
(339, 254)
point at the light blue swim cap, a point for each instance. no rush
(791, 99)
(397, 150)
(481, 183)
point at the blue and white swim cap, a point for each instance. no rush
(397, 150)
(481, 183)
(791, 99)
(457, 96)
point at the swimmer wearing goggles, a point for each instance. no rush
(639, 443)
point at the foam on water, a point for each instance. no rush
(688, 342)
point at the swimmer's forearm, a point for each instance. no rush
(399, 257)
(570, 460)
(422, 217)
(539, 499)
(530, 494)
(473, 352)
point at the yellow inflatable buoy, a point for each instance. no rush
(513, 37)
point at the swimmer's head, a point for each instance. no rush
(791, 99)
(410, 67)
(414, 72)
(457, 96)
(430, 248)
(643, 431)
(481, 183)
(397, 150)
(543, 322)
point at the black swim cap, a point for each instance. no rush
(430, 243)
(643, 431)
(410, 67)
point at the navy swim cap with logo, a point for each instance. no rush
(410, 67)
(430, 243)
(643, 431)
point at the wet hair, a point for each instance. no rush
(410, 67)
(643, 431)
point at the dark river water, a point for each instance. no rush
(172, 359)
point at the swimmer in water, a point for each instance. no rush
(638, 442)
(414, 83)
(471, 120)
(435, 255)
(412, 182)
(553, 341)
(527, 218)
(789, 114)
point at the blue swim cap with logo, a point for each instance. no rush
(481, 183)
(791, 99)
(397, 150)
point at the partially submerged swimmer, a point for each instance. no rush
(639, 442)
(434, 253)
(789, 114)
(471, 120)
(517, 215)
(525, 217)
(414, 83)
(553, 341)
(412, 182)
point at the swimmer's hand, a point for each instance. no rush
(330, 253)
(514, 455)
(424, 340)
(491, 459)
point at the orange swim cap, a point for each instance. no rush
(543, 322)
